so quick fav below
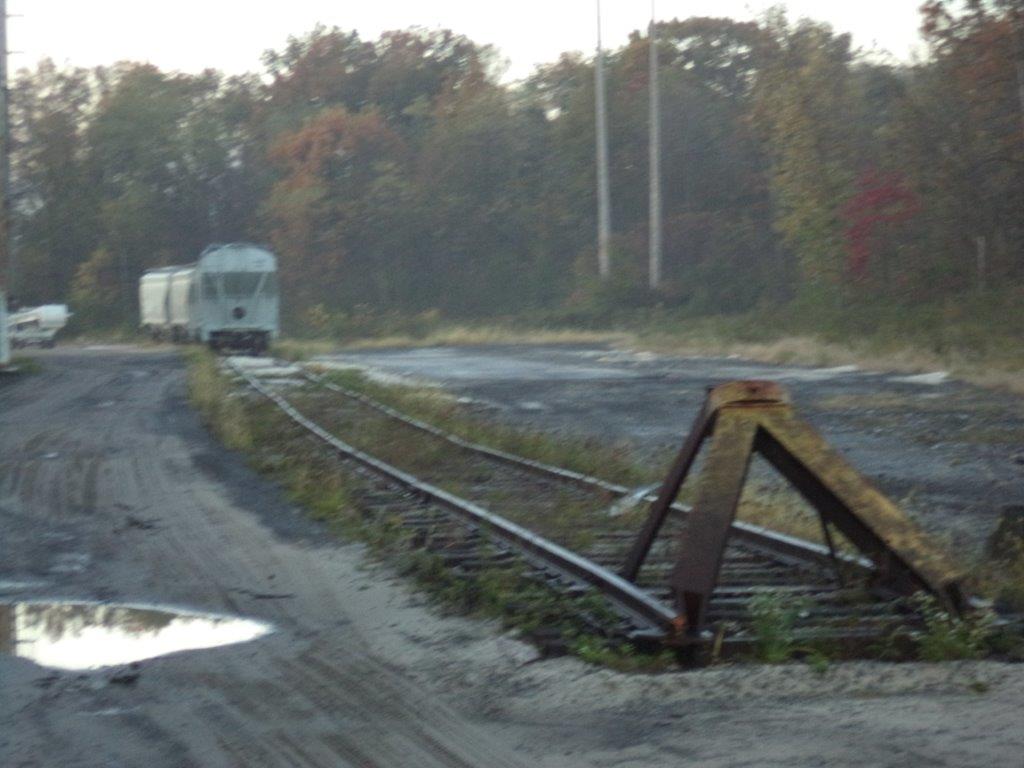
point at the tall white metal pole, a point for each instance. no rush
(1018, 28)
(604, 205)
(655, 160)
(5, 160)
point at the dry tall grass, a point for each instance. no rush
(708, 338)
(217, 400)
(456, 335)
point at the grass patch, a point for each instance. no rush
(978, 339)
(506, 593)
(451, 336)
(565, 514)
(220, 405)
(121, 334)
(975, 340)
(947, 638)
(777, 506)
(558, 622)
(1001, 578)
(22, 365)
(773, 619)
(589, 456)
(623, 657)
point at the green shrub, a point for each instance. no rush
(948, 638)
(773, 617)
(622, 657)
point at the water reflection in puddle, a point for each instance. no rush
(81, 636)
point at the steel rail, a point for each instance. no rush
(789, 548)
(633, 600)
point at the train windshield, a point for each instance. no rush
(241, 285)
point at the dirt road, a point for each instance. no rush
(102, 439)
(111, 490)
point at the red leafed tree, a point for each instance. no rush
(320, 208)
(882, 200)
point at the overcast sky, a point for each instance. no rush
(190, 35)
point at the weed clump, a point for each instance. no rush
(945, 637)
(25, 366)
(219, 405)
(773, 619)
(622, 657)
(1002, 575)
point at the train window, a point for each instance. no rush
(241, 285)
(210, 288)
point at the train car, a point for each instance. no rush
(227, 299)
(154, 312)
(181, 303)
(237, 296)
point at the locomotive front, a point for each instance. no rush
(237, 297)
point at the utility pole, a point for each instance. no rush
(5, 161)
(655, 151)
(604, 205)
(1018, 29)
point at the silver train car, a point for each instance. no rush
(227, 299)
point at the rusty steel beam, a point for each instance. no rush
(905, 557)
(661, 506)
(749, 393)
(702, 543)
(744, 418)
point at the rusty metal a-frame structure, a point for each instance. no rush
(756, 417)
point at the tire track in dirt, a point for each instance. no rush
(156, 524)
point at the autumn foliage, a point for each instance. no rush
(882, 201)
(403, 175)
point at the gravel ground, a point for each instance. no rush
(111, 490)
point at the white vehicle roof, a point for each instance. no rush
(237, 257)
(46, 314)
(165, 271)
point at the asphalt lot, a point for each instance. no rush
(950, 453)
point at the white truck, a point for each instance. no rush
(37, 325)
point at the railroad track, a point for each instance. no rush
(833, 604)
(777, 545)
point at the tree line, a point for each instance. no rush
(403, 175)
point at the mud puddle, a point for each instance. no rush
(86, 636)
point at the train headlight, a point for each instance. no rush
(238, 313)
